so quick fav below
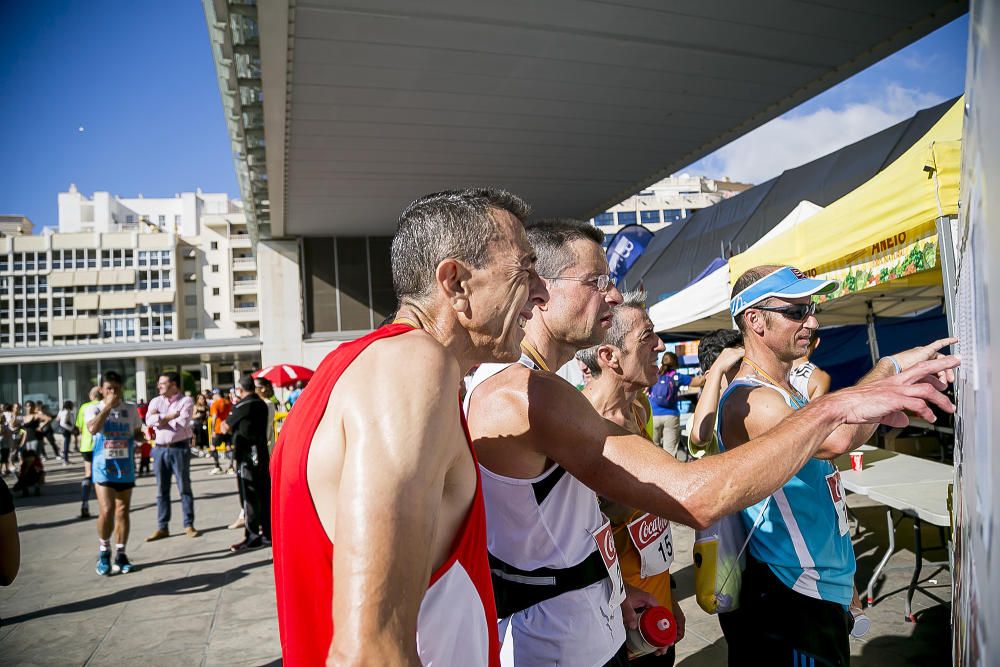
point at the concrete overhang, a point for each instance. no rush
(341, 114)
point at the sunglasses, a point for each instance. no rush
(796, 312)
(601, 283)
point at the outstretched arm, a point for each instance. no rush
(388, 502)
(625, 468)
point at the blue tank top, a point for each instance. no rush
(114, 447)
(803, 535)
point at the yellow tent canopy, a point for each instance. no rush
(886, 225)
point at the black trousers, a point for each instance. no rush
(778, 626)
(254, 479)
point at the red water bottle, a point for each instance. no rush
(657, 629)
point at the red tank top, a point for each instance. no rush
(457, 622)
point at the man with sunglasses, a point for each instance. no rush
(544, 451)
(798, 582)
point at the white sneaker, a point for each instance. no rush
(215, 471)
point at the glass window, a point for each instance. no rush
(216, 291)
(321, 285)
(672, 214)
(606, 218)
(352, 267)
(214, 245)
(215, 268)
(191, 323)
(383, 294)
(626, 217)
(190, 299)
(40, 382)
(162, 220)
(216, 317)
(649, 217)
(8, 378)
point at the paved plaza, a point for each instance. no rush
(190, 602)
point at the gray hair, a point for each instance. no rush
(551, 238)
(632, 300)
(456, 224)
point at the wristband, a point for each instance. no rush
(895, 364)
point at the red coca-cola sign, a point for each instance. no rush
(647, 529)
(606, 543)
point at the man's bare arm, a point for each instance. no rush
(389, 499)
(558, 422)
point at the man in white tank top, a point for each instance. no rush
(544, 451)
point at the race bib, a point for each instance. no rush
(836, 488)
(654, 542)
(116, 449)
(605, 539)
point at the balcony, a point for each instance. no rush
(244, 287)
(245, 314)
(239, 241)
(245, 264)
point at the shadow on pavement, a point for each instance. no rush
(709, 656)
(198, 583)
(930, 643)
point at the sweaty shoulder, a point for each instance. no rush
(412, 365)
(520, 400)
(750, 412)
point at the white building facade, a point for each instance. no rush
(175, 276)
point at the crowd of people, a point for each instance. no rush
(109, 433)
(532, 526)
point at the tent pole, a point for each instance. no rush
(946, 244)
(872, 338)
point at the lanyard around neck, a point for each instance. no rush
(407, 321)
(760, 371)
(533, 354)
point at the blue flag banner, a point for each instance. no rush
(625, 248)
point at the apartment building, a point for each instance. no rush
(173, 279)
(668, 201)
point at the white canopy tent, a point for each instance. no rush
(704, 305)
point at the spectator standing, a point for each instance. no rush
(46, 429)
(7, 432)
(219, 410)
(663, 399)
(66, 425)
(115, 426)
(170, 417)
(265, 390)
(199, 423)
(247, 423)
(86, 449)
(30, 437)
(295, 393)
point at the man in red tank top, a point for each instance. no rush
(378, 521)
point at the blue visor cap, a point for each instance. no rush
(786, 283)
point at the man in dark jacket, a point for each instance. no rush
(248, 425)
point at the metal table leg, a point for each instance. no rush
(885, 559)
(918, 547)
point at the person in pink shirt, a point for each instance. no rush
(169, 416)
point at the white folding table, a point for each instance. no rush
(915, 487)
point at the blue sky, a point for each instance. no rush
(928, 71)
(138, 77)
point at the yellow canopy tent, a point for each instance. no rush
(880, 239)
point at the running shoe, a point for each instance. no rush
(84, 512)
(104, 563)
(122, 564)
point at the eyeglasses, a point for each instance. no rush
(796, 312)
(602, 283)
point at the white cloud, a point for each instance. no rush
(795, 139)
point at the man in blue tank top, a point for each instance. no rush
(115, 426)
(799, 578)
